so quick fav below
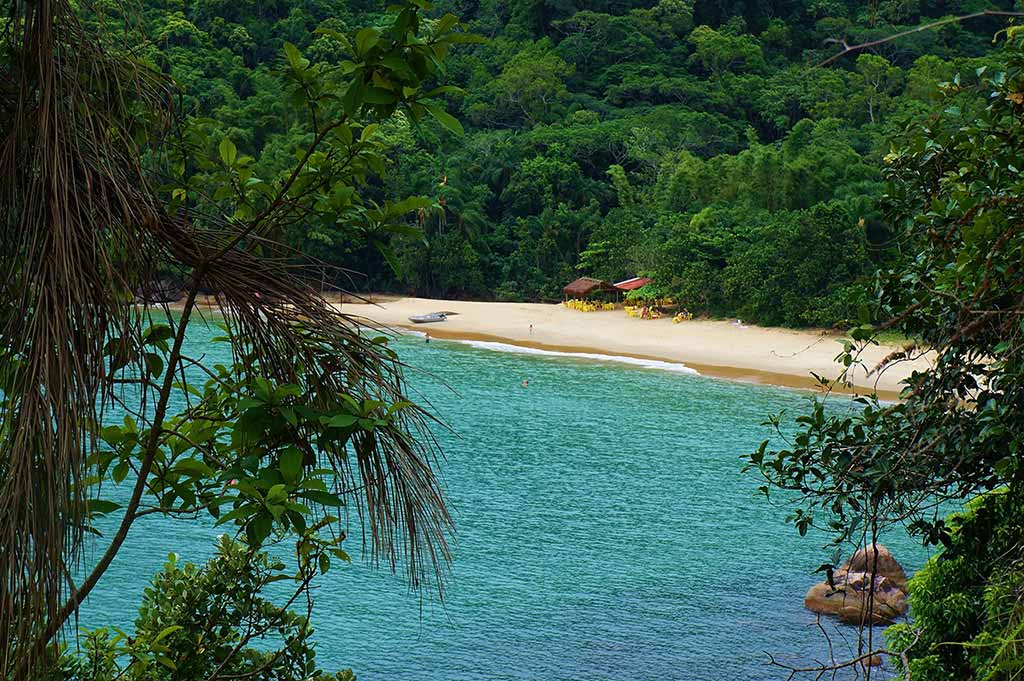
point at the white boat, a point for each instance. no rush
(428, 318)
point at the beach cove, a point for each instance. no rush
(724, 349)
(605, 531)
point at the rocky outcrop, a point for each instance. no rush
(877, 559)
(871, 587)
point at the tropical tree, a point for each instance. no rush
(107, 190)
(718, 52)
(530, 88)
(874, 84)
(209, 621)
(955, 194)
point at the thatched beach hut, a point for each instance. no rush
(584, 287)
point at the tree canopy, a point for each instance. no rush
(954, 200)
(717, 116)
(107, 190)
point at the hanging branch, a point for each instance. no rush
(848, 49)
(862, 661)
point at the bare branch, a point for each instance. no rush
(848, 49)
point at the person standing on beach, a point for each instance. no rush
(531, 329)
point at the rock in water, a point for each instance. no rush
(873, 661)
(853, 601)
(856, 597)
(877, 559)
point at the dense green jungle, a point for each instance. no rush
(700, 143)
(805, 163)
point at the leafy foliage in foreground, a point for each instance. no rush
(205, 622)
(692, 140)
(968, 601)
(956, 192)
(311, 413)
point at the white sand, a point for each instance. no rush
(718, 348)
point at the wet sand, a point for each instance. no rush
(726, 349)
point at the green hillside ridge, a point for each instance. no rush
(720, 150)
(696, 142)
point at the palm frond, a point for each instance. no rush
(75, 207)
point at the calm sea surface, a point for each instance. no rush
(604, 532)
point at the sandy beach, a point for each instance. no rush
(724, 349)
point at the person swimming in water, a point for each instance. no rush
(526, 383)
(426, 338)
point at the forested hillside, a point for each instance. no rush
(696, 141)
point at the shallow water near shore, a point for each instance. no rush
(605, 531)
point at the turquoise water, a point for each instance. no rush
(604, 532)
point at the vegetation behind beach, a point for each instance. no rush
(701, 143)
(718, 149)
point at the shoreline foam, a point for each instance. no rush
(721, 349)
(593, 356)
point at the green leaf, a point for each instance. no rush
(297, 508)
(330, 33)
(446, 22)
(409, 204)
(157, 333)
(223, 192)
(228, 152)
(396, 63)
(111, 434)
(390, 256)
(445, 119)
(248, 403)
(366, 38)
(167, 632)
(247, 489)
(411, 231)
(378, 95)
(287, 390)
(154, 363)
(237, 514)
(121, 358)
(398, 406)
(294, 57)
(353, 97)
(344, 134)
(368, 131)
(259, 529)
(119, 473)
(100, 507)
(341, 420)
(322, 498)
(193, 467)
(277, 494)
(291, 463)
(444, 90)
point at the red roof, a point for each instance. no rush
(632, 284)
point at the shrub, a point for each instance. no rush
(199, 623)
(968, 601)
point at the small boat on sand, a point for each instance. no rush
(428, 318)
